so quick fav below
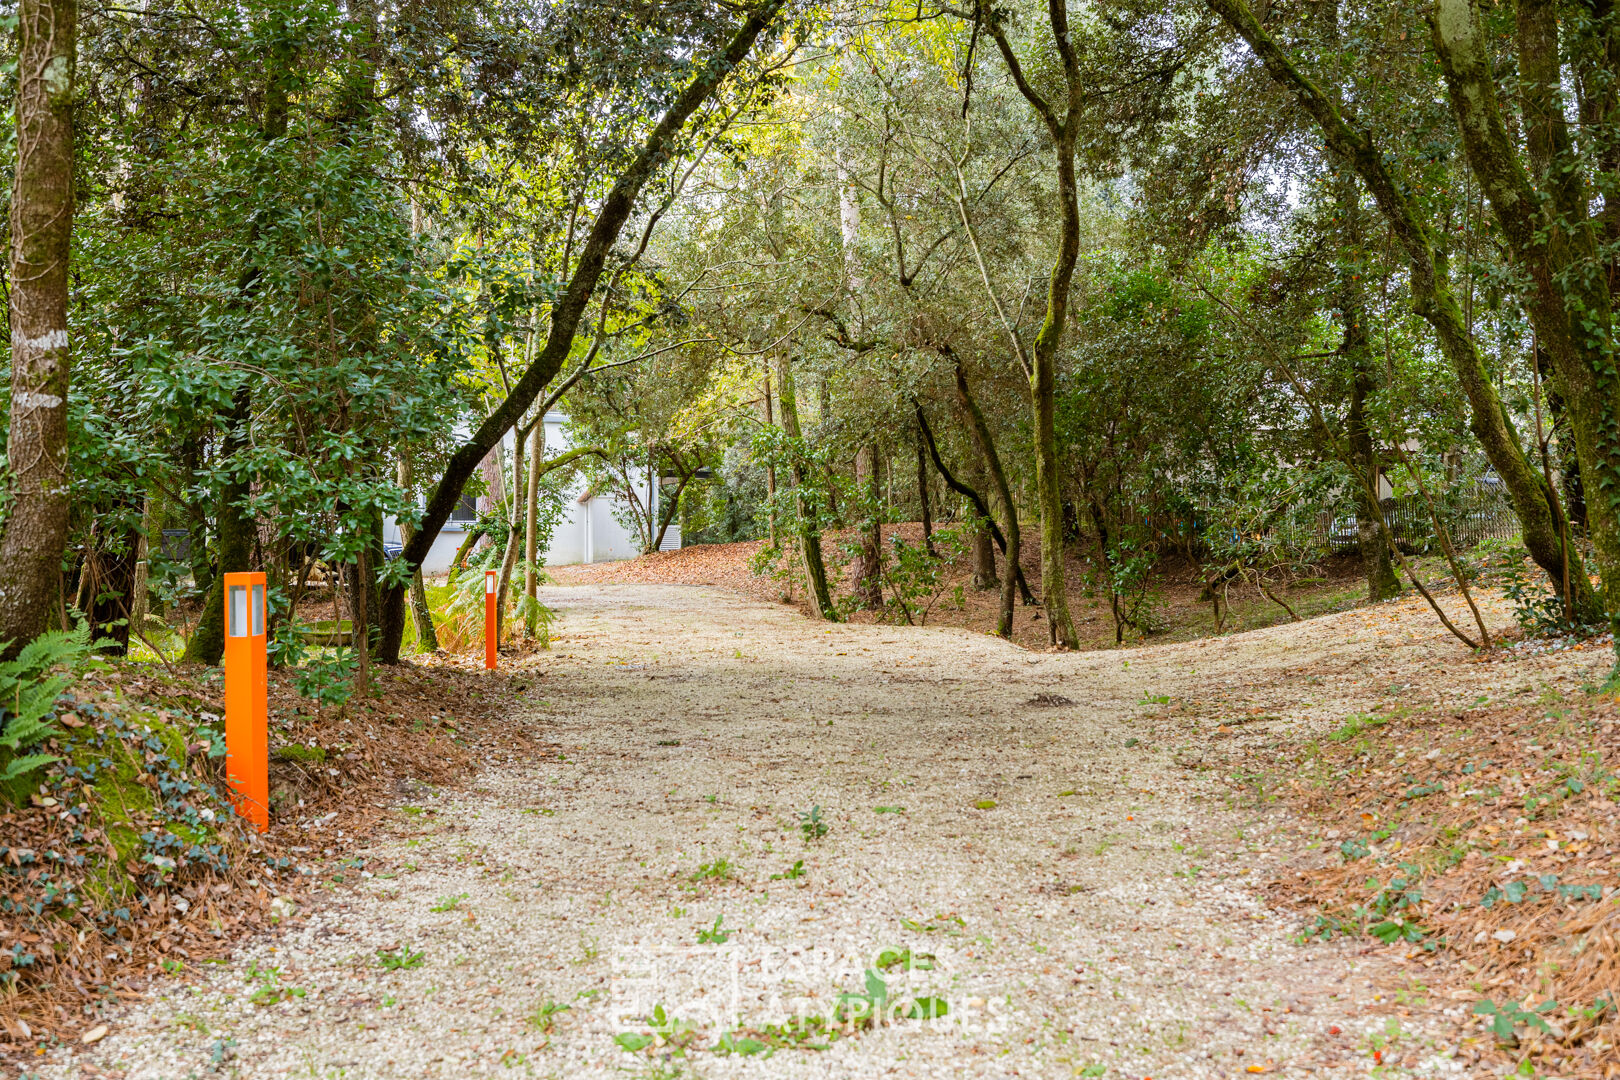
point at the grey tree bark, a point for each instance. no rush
(35, 529)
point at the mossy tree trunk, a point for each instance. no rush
(1063, 123)
(1541, 209)
(1540, 515)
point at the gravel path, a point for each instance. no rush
(1074, 897)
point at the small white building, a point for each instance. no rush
(588, 531)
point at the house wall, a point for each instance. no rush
(586, 533)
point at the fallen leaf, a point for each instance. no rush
(94, 1035)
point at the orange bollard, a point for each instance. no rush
(247, 720)
(489, 620)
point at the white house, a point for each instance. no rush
(588, 531)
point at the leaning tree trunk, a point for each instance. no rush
(980, 430)
(41, 234)
(1543, 216)
(1540, 515)
(615, 208)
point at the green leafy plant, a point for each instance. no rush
(29, 688)
(792, 873)
(402, 959)
(719, 870)
(916, 577)
(1511, 1015)
(714, 935)
(544, 1016)
(448, 903)
(811, 826)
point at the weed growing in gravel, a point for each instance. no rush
(449, 903)
(589, 949)
(544, 1015)
(793, 872)
(811, 826)
(402, 959)
(714, 935)
(719, 870)
(1357, 724)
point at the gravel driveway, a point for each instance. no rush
(1071, 898)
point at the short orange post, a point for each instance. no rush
(247, 721)
(489, 620)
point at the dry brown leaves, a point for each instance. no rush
(1177, 581)
(1503, 820)
(431, 722)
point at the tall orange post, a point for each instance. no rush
(489, 620)
(247, 720)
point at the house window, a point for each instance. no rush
(466, 509)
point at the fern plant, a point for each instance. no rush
(29, 687)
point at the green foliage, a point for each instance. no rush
(811, 826)
(327, 679)
(918, 579)
(1510, 1015)
(401, 959)
(718, 870)
(544, 1016)
(714, 935)
(29, 687)
(1538, 607)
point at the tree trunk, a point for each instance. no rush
(1043, 403)
(531, 509)
(112, 579)
(1382, 584)
(980, 430)
(235, 530)
(1553, 243)
(770, 470)
(427, 638)
(1539, 514)
(1355, 355)
(233, 525)
(922, 498)
(35, 533)
(984, 561)
(569, 308)
(140, 603)
(514, 537)
(815, 568)
(869, 565)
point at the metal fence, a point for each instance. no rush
(1470, 515)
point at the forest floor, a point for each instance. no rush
(1176, 587)
(1090, 863)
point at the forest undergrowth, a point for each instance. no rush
(125, 862)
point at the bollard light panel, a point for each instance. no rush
(247, 737)
(489, 620)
